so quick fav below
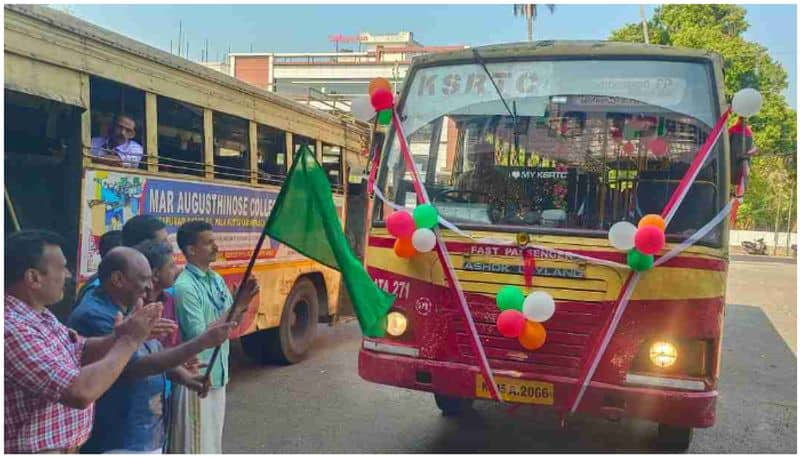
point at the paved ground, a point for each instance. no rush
(321, 405)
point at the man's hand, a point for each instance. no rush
(249, 291)
(163, 327)
(192, 381)
(216, 334)
(139, 323)
(192, 365)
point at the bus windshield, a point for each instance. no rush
(587, 143)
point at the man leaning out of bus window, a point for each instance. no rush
(119, 148)
(130, 416)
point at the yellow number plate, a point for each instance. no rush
(517, 390)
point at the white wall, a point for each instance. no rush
(737, 236)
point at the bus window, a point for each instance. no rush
(271, 154)
(231, 147)
(180, 137)
(299, 140)
(332, 163)
(118, 128)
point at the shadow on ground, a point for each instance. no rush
(321, 405)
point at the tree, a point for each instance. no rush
(529, 11)
(719, 28)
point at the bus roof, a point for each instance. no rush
(95, 33)
(567, 48)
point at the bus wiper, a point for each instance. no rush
(512, 113)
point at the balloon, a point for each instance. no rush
(622, 235)
(423, 240)
(385, 117)
(539, 306)
(361, 109)
(381, 99)
(404, 248)
(638, 261)
(400, 224)
(747, 102)
(628, 148)
(379, 83)
(533, 335)
(658, 147)
(654, 220)
(426, 216)
(510, 297)
(510, 323)
(649, 239)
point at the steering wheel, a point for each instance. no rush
(460, 196)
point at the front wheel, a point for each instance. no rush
(452, 406)
(674, 438)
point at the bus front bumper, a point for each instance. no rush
(678, 408)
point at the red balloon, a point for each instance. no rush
(658, 147)
(627, 148)
(381, 99)
(400, 224)
(510, 323)
(649, 239)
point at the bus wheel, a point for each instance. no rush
(674, 438)
(452, 406)
(291, 341)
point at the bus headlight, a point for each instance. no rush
(663, 354)
(396, 323)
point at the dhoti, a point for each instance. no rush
(197, 423)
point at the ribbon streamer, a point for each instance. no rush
(444, 258)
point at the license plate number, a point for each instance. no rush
(517, 390)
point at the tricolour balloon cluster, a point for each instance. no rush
(414, 233)
(641, 242)
(521, 317)
(381, 99)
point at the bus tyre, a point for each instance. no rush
(292, 339)
(452, 406)
(674, 438)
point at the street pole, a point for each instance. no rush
(789, 224)
(644, 25)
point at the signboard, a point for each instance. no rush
(237, 214)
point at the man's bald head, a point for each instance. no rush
(126, 275)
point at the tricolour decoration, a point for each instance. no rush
(641, 242)
(521, 316)
(414, 232)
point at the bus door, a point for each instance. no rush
(42, 172)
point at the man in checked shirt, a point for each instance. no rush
(52, 375)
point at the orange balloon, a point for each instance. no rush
(404, 248)
(379, 83)
(652, 219)
(532, 336)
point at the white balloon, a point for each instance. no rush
(361, 109)
(622, 235)
(747, 102)
(539, 306)
(423, 240)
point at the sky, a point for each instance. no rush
(306, 28)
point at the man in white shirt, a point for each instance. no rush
(119, 149)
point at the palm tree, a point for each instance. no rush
(529, 11)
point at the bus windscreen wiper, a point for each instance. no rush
(512, 113)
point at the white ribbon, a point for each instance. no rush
(697, 236)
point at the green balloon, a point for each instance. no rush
(510, 297)
(426, 216)
(638, 261)
(385, 117)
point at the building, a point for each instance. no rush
(330, 80)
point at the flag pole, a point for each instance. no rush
(247, 273)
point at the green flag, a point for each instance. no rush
(304, 218)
